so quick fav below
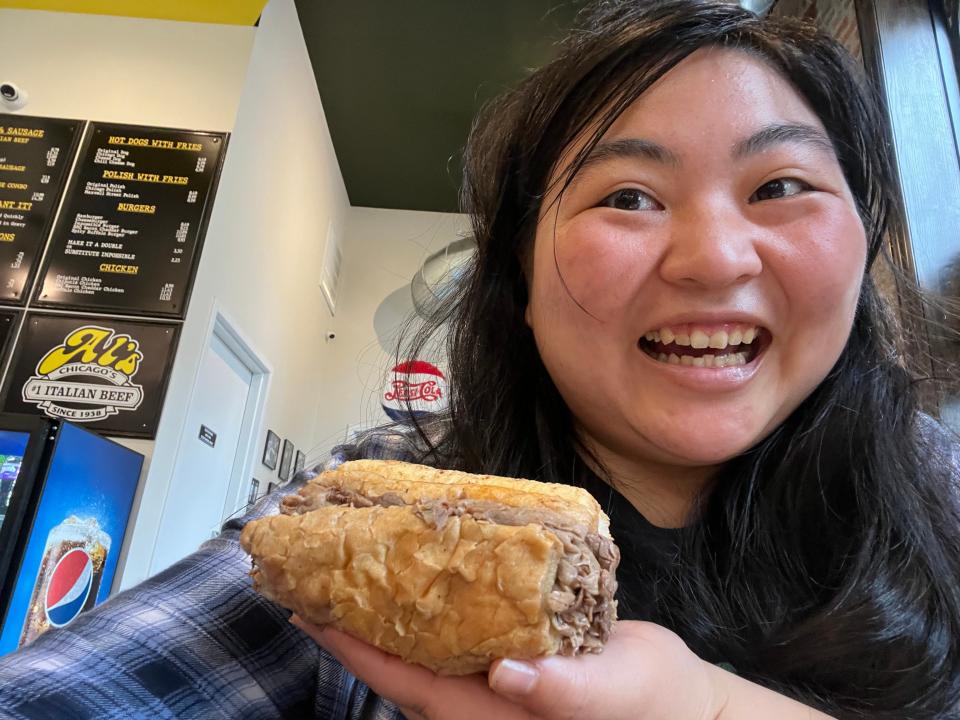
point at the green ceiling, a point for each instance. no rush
(401, 82)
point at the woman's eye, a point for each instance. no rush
(780, 188)
(630, 199)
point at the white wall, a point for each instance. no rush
(383, 249)
(281, 187)
(125, 70)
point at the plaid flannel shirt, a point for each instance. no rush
(195, 641)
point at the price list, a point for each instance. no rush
(35, 156)
(129, 236)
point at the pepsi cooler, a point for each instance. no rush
(66, 494)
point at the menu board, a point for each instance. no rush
(35, 156)
(109, 374)
(8, 326)
(129, 236)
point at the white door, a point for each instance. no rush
(199, 489)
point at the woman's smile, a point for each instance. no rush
(704, 345)
(707, 356)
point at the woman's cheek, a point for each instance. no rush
(823, 266)
(601, 264)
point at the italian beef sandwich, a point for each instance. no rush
(443, 568)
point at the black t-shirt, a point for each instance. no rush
(647, 552)
(649, 555)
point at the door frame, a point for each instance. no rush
(222, 326)
(225, 329)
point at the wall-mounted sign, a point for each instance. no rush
(207, 436)
(129, 235)
(107, 373)
(35, 155)
(414, 388)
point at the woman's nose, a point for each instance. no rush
(713, 247)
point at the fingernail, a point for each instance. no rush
(514, 678)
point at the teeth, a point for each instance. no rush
(718, 340)
(714, 361)
(699, 339)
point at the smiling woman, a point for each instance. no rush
(675, 222)
(706, 209)
(670, 306)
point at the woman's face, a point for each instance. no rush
(699, 277)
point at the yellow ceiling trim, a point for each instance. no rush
(225, 12)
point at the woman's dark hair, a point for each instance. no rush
(824, 562)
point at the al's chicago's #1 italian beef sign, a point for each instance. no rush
(107, 373)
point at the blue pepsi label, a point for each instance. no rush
(69, 587)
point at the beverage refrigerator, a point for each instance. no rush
(66, 494)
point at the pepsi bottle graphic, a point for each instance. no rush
(69, 577)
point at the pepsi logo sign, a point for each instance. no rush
(414, 387)
(69, 587)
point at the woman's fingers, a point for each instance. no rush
(420, 693)
(645, 671)
(409, 714)
(385, 674)
(557, 688)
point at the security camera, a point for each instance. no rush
(12, 97)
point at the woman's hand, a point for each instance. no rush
(644, 673)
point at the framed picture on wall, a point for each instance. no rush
(300, 462)
(271, 487)
(286, 460)
(271, 450)
(254, 491)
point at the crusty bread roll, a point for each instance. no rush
(443, 568)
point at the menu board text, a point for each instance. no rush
(129, 234)
(34, 160)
